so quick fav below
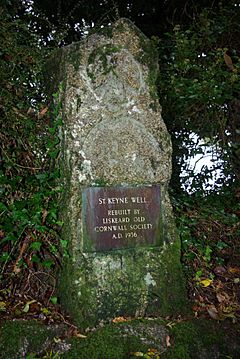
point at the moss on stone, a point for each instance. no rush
(189, 339)
(122, 340)
(104, 285)
(100, 55)
(204, 339)
(192, 339)
(74, 55)
(149, 57)
(104, 123)
(107, 343)
(148, 54)
(19, 338)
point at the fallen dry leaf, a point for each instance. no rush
(57, 340)
(212, 311)
(121, 319)
(137, 354)
(228, 61)
(222, 297)
(152, 351)
(171, 324)
(168, 341)
(79, 335)
(219, 270)
(206, 282)
(31, 111)
(75, 333)
(44, 215)
(42, 113)
(234, 270)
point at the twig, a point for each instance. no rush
(22, 250)
(17, 165)
(15, 244)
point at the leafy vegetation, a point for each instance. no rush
(29, 225)
(210, 248)
(199, 90)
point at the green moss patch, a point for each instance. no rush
(121, 340)
(107, 343)
(26, 339)
(108, 285)
(198, 339)
(193, 339)
(204, 339)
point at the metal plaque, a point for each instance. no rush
(121, 217)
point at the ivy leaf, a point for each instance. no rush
(3, 208)
(53, 154)
(36, 259)
(64, 243)
(48, 263)
(36, 245)
(53, 300)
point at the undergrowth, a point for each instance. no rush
(209, 228)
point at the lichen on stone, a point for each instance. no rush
(114, 135)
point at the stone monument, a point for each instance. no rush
(116, 165)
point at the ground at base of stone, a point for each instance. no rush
(146, 338)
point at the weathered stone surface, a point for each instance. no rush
(195, 338)
(113, 135)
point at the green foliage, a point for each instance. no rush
(199, 90)
(209, 231)
(29, 211)
(198, 226)
(29, 147)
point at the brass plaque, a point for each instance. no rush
(121, 217)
